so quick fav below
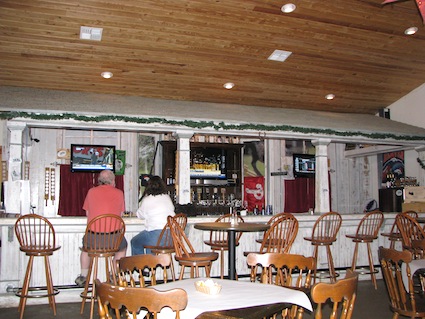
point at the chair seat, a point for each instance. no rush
(194, 258)
(161, 249)
(218, 245)
(392, 236)
(37, 251)
(362, 238)
(321, 241)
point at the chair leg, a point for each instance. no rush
(173, 276)
(25, 288)
(222, 265)
(331, 264)
(49, 284)
(315, 256)
(372, 268)
(354, 262)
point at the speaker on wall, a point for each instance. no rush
(385, 113)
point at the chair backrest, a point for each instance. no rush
(402, 296)
(165, 239)
(370, 224)
(409, 229)
(135, 298)
(182, 245)
(128, 265)
(281, 234)
(220, 236)
(326, 227)
(289, 270)
(411, 213)
(35, 234)
(104, 234)
(342, 292)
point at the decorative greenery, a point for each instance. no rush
(421, 163)
(9, 115)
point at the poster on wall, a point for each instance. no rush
(119, 162)
(254, 193)
(392, 165)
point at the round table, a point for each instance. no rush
(231, 230)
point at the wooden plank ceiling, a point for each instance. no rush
(186, 50)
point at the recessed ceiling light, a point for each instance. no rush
(106, 75)
(288, 8)
(279, 55)
(229, 85)
(330, 96)
(90, 33)
(411, 30)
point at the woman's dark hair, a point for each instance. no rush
(156, 186)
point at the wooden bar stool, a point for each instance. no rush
(394, 235)
(218, 239)
(324, 233)
(165, 241)
(367, 232)
(36, 237)
(102, 239)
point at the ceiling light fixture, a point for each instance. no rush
(411, 31)
(229, 85)
(330, 96)
(106, 75)
(288, 8)
(279, 55)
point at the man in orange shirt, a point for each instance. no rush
(102, 199)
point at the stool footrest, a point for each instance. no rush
(36, 295)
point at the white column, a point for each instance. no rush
(15, 150)
(183, 166)
(322, 179)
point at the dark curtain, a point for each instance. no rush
(299, 195)
(74, 188)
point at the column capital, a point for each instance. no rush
(183, 134)
(321, 141)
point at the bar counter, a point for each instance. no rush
(70, 230)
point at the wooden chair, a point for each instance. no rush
(133, 299)
(403, 301)
(165, 241)
(341, 293)
(410, 230)
(128, 265)
(36, 237)
(288, 270)
(269, 222)
(324, 233)
(102, 240)
(394, 234)
(367, 232)
(185, 255)
(218, 239)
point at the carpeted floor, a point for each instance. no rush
(370, 304)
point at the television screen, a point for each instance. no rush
(304, 165)
(92, 158)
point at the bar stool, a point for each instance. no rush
(164, 244)
(102, 239)
(218, 239)
(367, 232)
(394, 234)
(324, 233)
(36, 237)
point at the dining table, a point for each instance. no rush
(236, 300)
(232, 229)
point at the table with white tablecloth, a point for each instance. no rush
(233, 295)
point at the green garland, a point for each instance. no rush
(9, 115)
(421, 163)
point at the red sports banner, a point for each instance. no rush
(254, 192)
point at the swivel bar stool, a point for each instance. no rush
(324, 233)
(36, 237)
(367, 232)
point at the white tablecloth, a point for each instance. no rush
(415, 265)
(233, 295)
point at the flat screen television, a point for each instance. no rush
(92, 158)
(304, 165)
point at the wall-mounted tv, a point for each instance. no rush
(92, 158)
(304, 165)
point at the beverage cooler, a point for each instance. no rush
(391, 199)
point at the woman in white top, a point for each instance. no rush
(156, 205)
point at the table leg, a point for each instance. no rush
(232, 254)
